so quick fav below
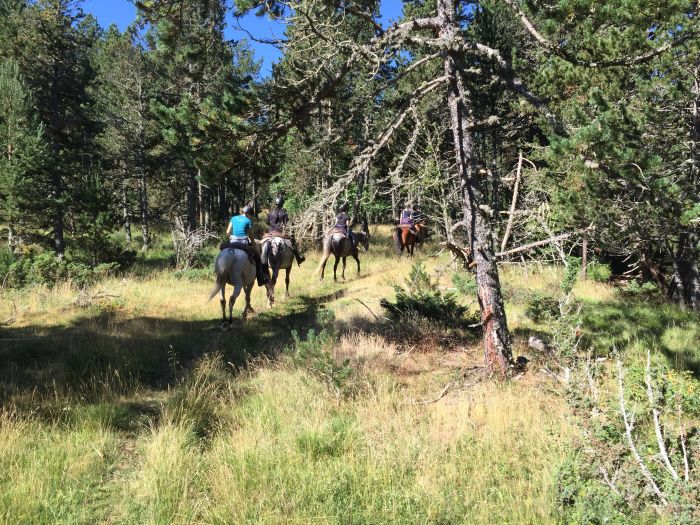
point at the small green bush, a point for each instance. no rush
(47, 269)
(194, 274)
(421, 297)
(572, 271)
(541, 307)
(599, 272)
(314, 354)
(465, 284)
(636, 290)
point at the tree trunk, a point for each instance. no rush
(125, 210)
(143, 200)
(685, 285)
(223, 204)
(10, 235)
(58, 228)
(584, 258)
(191, 200)
(497, 345)
(200, 201)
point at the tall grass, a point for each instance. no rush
(129, 405)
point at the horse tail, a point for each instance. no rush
(397, 239)
(215, 291)
(220, 273)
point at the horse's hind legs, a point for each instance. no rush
(222, 301)
(232, 301)
(335, 268)
(248, 308)
(286, 283)
(344, 264)
(323, 267)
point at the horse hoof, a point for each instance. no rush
(225, 326)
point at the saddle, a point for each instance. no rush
(247, 248)
(275, 234)
(269, 237)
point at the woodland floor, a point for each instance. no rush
(126, 403)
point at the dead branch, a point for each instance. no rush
(657, 423)
(630, 440)
(509, 225)
(535, 244)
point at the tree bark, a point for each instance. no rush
(497, 344)
(191, 200)
(125, 212)
(143, 201)
(584, 258)
(58, 240)
(10, 235)
(685, 285)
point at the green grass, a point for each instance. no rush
(128, 404)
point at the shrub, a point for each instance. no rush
(571, 274)
(599, 272)
(37, 267)
(465, 284)
(603, 482)
(421, 297)
(541, 306)
(314, 354)
(636, 290)
(194, 274)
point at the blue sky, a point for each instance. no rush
(123, 12)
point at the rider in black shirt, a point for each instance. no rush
(277, 220)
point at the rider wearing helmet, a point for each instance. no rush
(342, 223)
(417, 215)
(239, 232)
(277, 220)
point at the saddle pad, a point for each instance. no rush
(278, 235)
(247, 248)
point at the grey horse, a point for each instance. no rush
(235, 268)
(340, 246)
(278, 254)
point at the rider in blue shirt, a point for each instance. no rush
(239, 231)
(239, 227)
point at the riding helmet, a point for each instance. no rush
(279, 201)
(343, 207)
(247, 209)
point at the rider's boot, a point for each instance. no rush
(297, 254)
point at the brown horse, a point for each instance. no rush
(404, 239)
(341, 247)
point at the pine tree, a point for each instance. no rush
(124, 87)
(199, 100)
(22, 152)
(55, 56)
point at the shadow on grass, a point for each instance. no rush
(631, 325)
(107, 353)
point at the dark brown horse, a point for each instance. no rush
(339, 245)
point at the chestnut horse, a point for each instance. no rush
(404, 239)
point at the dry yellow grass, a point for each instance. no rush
(274, 444)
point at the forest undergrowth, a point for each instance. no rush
(125, 402)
